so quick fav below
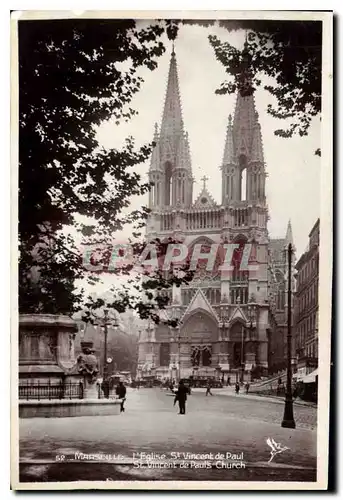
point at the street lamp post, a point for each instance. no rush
(179, 356)
(251, 329)
(242, 356)
(288, 418)
(105, 322)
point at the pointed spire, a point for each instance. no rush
(243, 123)
(172, 123)
(155, 156)
(257, 147)
(204, 198)
(229, 152)
(289, 234)
(183, 159)
(156, 132)
(172, 157)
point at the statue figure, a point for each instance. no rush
(87, 362)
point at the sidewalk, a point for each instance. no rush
(230, 391)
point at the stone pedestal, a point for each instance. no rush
(46, 347)
(90, 390)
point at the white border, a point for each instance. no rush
(325, 253)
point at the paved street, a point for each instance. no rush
(219, 424)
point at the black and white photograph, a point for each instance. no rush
(172, 251)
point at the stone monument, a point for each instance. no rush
(46, 348)
(88, 367)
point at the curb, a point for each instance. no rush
(272, 399)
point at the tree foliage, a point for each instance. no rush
(73, 75)
(290, 53)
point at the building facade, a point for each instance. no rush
(224, 319)
(306, 305)
(278, 285)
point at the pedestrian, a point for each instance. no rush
(208, 388)
(105, 386)
(229, 381)
(121, 393)
(247, 387)
(181, 397)
(237, 388)
(295, 392)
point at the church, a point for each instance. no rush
(229, 324)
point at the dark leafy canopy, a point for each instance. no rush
(73, 75)
(288, 51)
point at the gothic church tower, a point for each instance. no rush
(224, 318)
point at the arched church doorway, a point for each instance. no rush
(238, 354)
(200, 332)
(237, 341)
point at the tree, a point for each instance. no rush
(123, 350)
(73, 75)
(288, 51)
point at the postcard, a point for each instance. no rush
(171, 297)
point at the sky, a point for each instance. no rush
(293, 183)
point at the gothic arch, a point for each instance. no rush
(200, 326)
(236, 322)
(202, 263)
(240, 238)
(204, 240)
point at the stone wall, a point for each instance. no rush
(68, 408)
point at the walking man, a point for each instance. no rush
(181, 397)
(208, 388)
(247, 387)
(121, 393)
(237, 388)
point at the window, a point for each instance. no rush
(244, 185)
(243, 177)
(239, 295)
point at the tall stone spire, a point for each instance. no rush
(244, 123)
(256, 146)
(172, 123)
(246, 117)
(171, 168)
(289, 234)
(155, 157)
(229, 150)
(243, 152)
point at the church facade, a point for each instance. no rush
(228, 323)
